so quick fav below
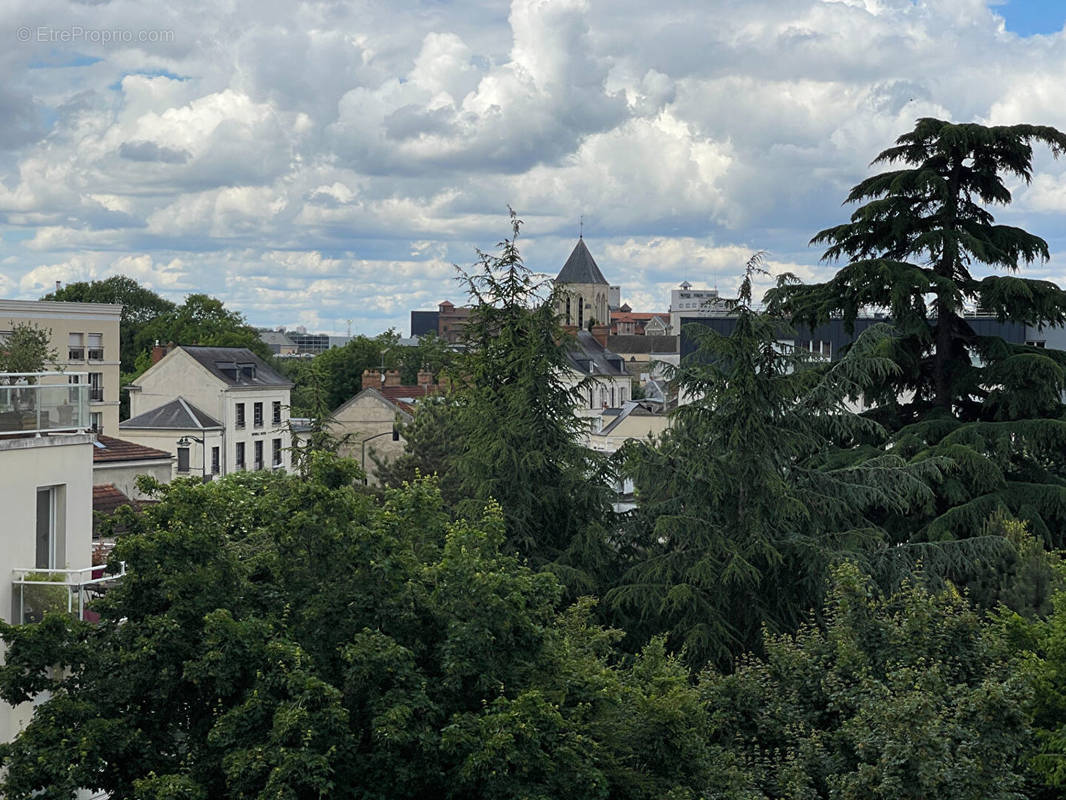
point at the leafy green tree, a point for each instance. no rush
(200, 320)
(994, 407)
(279, 636)
(743, 503)
(338, 372)
(430, 441)
(28, 348)
(517, 437)
(907, 696)
(140, 306)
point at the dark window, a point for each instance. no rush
(258, 453)
(257, 415)
(183, 459)
(276, 447)
(240, 415)
(240, 455)
(45, 529)
(96, 387)
(277, 412)
(215, 460)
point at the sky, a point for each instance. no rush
(327, 164)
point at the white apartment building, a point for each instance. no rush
(686, 302)
(46, 491)
(85, 338)
(218, 409)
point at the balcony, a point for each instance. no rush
(35, 592)
(47, 405)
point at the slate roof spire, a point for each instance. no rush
(580, 267)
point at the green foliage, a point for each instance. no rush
(139, 307)
(994, 407)
(745, 500)
(28, 348)
(517, 437)
(906, 696)
(430, 441)
(279, 636)
(200, 320)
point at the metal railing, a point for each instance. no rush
(43, 402)
(35, 592)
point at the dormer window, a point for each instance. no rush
(247, 371)
(227, 368)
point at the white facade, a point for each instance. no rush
(46, 494)
(686, 302)
(254, 419)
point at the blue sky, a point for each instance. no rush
(315, 162)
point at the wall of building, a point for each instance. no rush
(365, 416)
(124, 474)
(27, 464)
(63, 319)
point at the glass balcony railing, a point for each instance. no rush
(44, 402)
(35, 592)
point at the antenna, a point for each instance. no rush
(349, 328)
(581, 230)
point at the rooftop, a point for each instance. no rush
(580, 267)
(177, 415)
(108, 448)
(236, 366)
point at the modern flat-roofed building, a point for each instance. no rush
(85, 338)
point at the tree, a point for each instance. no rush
(28, 348)
(430, 440)
(744, 501)
(994, 407)
(140, 306)
(287, 637)
(517, 437)
(911, 695)
(200, 320)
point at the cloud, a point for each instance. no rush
(333, 164)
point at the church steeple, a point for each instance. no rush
(580, 267)
(582, 289)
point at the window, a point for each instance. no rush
(239, 461)
(258, 453)
(277, 412)
(96, 421)
(215, 457)
(96, 387)
(96, 347)
(275, 447)
(621, 395)
(46, 528)
(240, 415)
(183, 459)
(257, 415)
(1036, 343)
(76, 347)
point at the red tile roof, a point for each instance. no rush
(107, 499)
(120, 450)
(403, 395)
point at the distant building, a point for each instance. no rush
(639, 323)
(278, 342)
(609, 384)
(582, 291)
(218, 409)
(448, 322)
(118, 463)
(688, 304)
(313, 343)
(85, 338)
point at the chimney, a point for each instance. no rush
(158, 351)
(425, 377)
(599, 333)
(392, 378)
(59, 285)
(371, 379)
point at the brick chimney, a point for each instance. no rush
(425, 377)
(158, 351)
(392, 378)
(371, 379)
(599, 333)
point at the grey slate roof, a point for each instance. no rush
(580, 267)
(216, 359)
(635, 343)
(177, 415)
(589, 357)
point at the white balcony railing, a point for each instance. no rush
(35, 592)
(43, 402)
